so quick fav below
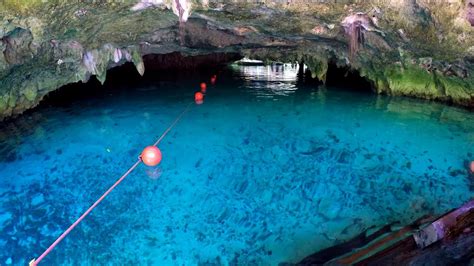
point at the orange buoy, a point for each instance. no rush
(151, 156)
(198, 96)
(471, 167)
(203, 87)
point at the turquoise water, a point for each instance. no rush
(267, 170)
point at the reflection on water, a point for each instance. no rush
(269, 80)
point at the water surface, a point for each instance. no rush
(267, 170)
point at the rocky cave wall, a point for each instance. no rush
(417, 48)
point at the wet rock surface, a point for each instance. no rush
(17, 46)
(47, 45)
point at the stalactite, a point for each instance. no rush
(181, 22)
(356, 37)
(354, 26)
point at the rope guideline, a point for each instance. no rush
(35, 262)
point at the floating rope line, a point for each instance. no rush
(172, 125)
(35, 262)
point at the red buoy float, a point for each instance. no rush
(471, 167)
(213, 80)
(203, 87)
(199, 97)
(151, 156)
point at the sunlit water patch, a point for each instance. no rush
(245, 179)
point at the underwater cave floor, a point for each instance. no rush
(267, 170)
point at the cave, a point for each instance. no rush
(160, 68)
(345, 78)
(173, 67)
(211, 133)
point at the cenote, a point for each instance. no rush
(269, 169)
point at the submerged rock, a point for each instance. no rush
(37, 199)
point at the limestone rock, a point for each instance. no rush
(470, 12)
(17, 46)
(45, 45)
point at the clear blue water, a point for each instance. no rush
(267, 170)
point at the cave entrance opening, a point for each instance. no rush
(347, 79)
(162, 71)
(176, 70)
